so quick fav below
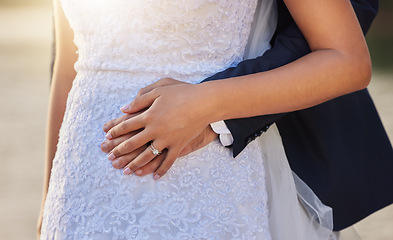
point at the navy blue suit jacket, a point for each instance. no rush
(339, 148)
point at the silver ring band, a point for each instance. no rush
(154, 150)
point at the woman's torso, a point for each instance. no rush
(124, 45)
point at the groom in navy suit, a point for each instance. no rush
(339, 148)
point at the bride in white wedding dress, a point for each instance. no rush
(122, 46)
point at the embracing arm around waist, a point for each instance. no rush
(288, 45)
(338, 64)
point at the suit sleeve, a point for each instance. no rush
(288, 44)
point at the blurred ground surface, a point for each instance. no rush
(25, 40)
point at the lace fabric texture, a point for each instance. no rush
(183, 39)
(125, 45)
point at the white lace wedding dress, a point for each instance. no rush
(124, 45)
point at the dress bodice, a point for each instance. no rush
(123, 46)
(172, 37)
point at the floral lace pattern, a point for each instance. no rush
(123, 46)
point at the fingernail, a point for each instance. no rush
(108, 136)
(126, 171)
(115, 163)
(104, 147)
(111, 156)
(138, 172)
(156, 176)
(125, 107)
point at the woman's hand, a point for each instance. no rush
(206, 137)
(108, 145)
(172, 122)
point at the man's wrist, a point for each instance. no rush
(222, 130)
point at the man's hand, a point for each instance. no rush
(127, 142)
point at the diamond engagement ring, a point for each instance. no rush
(154, 150)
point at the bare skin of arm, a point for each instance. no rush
(339, 63)
(62, 78)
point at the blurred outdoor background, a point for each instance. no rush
(25, 50)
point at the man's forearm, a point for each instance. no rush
(288, 45)
(286, 49)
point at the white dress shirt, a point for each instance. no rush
(222, 130)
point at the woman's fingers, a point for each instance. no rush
(141, 102)
(114, 122)
(170, 129)
(130, 145)
(152, 151)
(109, 145)
(152, 86)
(131, 124)
(122, 161)
(159, 83)
(110, 124)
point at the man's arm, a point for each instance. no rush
(288, 44)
